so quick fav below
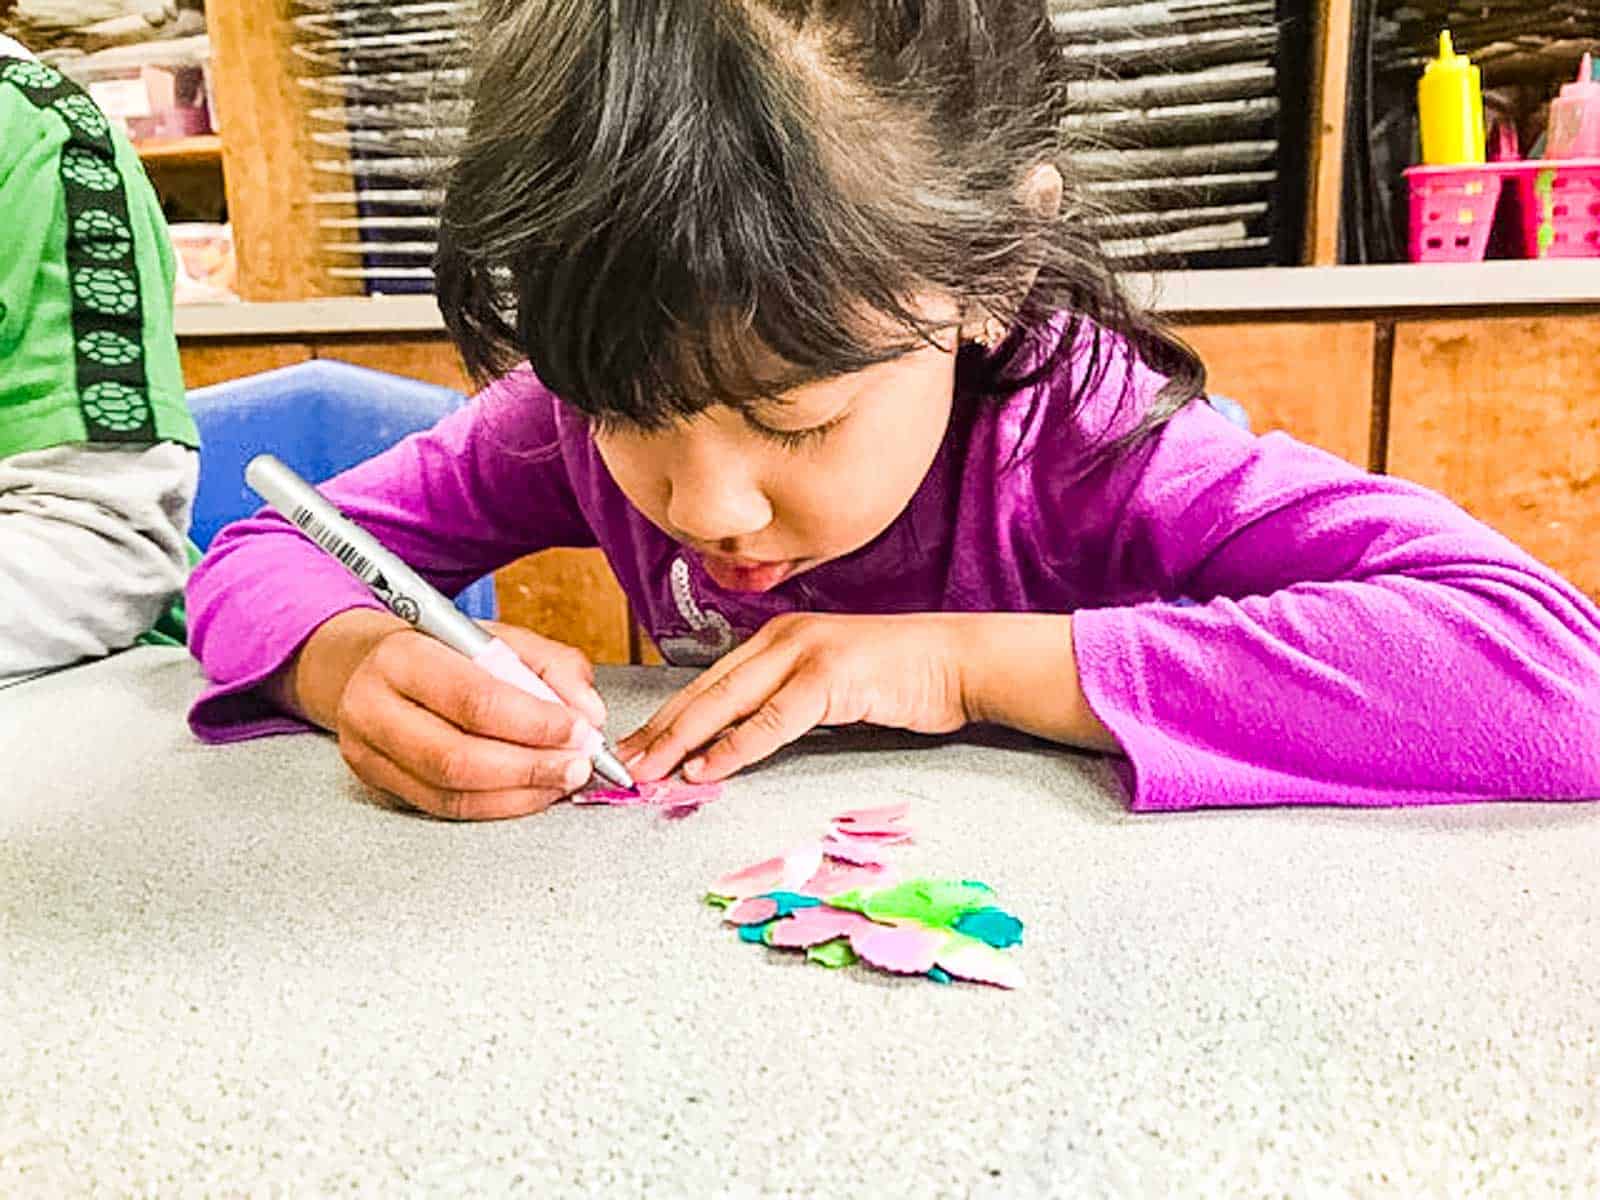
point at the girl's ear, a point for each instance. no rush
(1040, 193)
(1041, 190)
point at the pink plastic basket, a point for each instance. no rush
(1558, 201)
(1452, 212)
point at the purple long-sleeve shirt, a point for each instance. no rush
(1346, 638)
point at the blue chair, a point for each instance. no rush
(320, 417)
(1232, 410)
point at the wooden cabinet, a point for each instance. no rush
(430, 359)
(1311, 379)
(209, 362)
(1502, 414)
(570, 595)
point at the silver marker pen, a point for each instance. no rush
(407, 594)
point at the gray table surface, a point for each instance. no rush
(229, 971)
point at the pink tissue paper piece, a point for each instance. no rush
(757, 910)
(967, 958)
(905, 949)
(833, 878)
(800, 865)
(788, 873)
(885, 814)
(887, 835)
(862, 853)
(676, 798)
(751, 881)
(615, 797)
(812, 926)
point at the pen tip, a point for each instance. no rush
(607, 765)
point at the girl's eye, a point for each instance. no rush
(796, 439)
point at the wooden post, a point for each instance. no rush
(267, 153)
(1331, 55)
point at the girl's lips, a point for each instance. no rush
(748, 575)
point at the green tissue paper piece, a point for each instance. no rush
(717, 901)
(936, 902)
(940, 975)
(833, 955)
(1544, 185)
(753, 933)
(787, 902)
(993, 925)
(852, 901)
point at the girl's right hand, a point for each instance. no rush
(417, 720)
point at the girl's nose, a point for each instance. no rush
(715, 506)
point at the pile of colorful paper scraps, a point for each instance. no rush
(839, 900)
(673, 798)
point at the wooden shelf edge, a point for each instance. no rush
(1248, 293)
(186, 151)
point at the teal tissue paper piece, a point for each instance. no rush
(787, 902)
(752, 933)
(993, 925)
(940, 975)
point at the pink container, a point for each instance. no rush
(1452, 212)
(1558, 201)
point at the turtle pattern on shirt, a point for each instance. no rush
(103, 275)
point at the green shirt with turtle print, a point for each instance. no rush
(87, 351)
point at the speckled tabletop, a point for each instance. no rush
(229, 971)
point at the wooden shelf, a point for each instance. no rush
(182, 152)
(1273, 292)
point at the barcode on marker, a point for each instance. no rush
(330, 541)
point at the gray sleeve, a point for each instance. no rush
(93, 547)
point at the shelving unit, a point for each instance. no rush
(267, 148)
(205, 150)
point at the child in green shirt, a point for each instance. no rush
(98, 460)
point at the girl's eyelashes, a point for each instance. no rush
(796, 439)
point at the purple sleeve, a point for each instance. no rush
(1355, 639)
(485, 486)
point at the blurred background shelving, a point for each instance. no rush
(334, 118)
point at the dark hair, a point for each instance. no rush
(669, 204)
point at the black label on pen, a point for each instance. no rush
(358, 563)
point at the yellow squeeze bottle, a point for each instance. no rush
(1450, 103)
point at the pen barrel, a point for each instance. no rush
(402, 590)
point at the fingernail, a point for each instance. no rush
(693, 767)
(581, 732)
(577, 774)
(634, 759)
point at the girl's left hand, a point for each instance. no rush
(803, 670)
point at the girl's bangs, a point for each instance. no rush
(625, 355)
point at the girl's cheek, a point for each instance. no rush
(632, 466)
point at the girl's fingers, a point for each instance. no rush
(565, 668)
(378, 770)
(791, 712)
(641, 739)
(444, 757)
(730, 697)
(468, 697)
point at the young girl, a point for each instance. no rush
(820, 353)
